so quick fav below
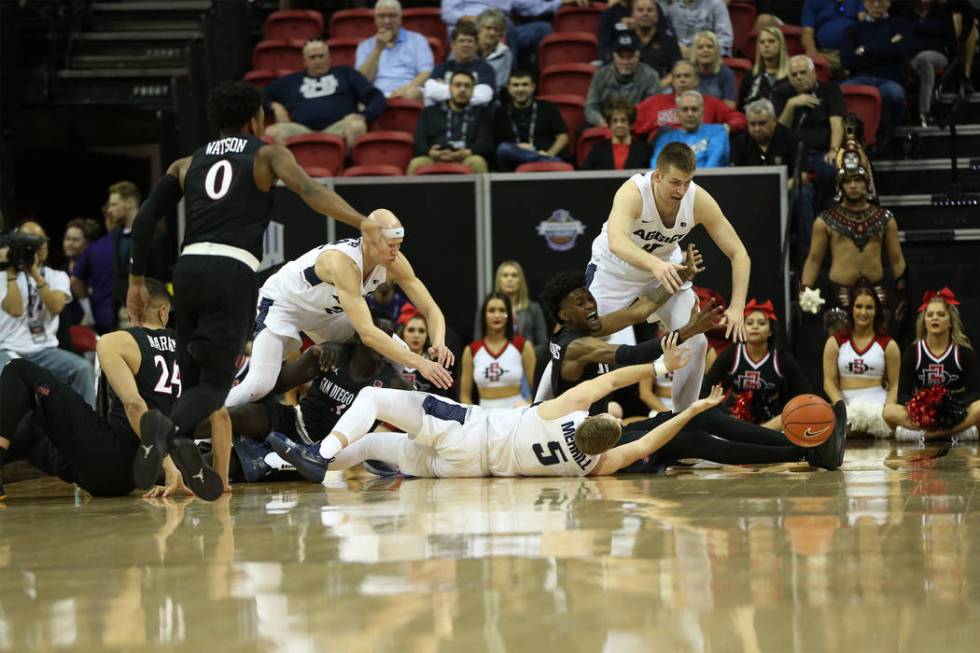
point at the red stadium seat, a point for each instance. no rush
(793, 34)
(325, 151)
(261, 78)
(400, 115)
(373, 171)
(343, 52)
(299, 24)
(740, 67)
(427, 21)
(572, 108)
(822, 67)
(83, 339)
(317, 172)
(566, 79)
(278, 54)
(865, 103)
(743, 22)
(437, 47)
(443, 169)
(384, 147)
(589, 137)
(352, 24)
(567, 47)
(545, 166)
(571, 18)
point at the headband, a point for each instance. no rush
(393, 232)
(945, 294)
(765, 308)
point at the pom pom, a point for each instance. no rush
(751, 406)
(811, 301)
(923, 406)
(865, 417)
(949, 412)
(742, 406)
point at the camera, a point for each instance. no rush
(22, 248)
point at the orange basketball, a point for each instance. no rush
(808, 420)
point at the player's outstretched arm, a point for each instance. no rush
(317, 196)
(402, 272)
(318, 359)
(624, 455)
(119, 358)
(709, 214)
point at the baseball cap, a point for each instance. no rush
(626, 41)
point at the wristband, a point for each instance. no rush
(660, 367)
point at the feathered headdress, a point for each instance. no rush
(852, 161)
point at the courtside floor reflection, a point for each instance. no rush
(881, 556)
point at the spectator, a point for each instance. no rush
(93, 278)
(875, 52)
(815, 112)
(825, 23)
(525, 129)
(395, 60)
(692, 16)
(658, 45)
(620, 151)
(122, 206)
(626, 77)
(709, 142)
(322, 98)
(387, 300)
(661, 110)
(79, 234)
(491, 25)
(33, 298)
(524, 35)
(454, 131)
(463, 58)
(931, 40)
(771, 68)
(717, 79)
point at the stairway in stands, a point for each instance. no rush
(128, 53)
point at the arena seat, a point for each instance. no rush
(438, 49)
(83, 339)
(740, 67)
(352, 24)
(343, 52)
(426, 21)
(572, 108)
(743, 17)
(567, 47)
(400, 114)
(384, 148)
(865, 103)
(571, 18)
(317, 172)
(324, 151)
(443, 169)
(822, 68)
(299, 24)
(261, 78)
(589, 137)
(566, 79)
(545, 166)
(278, 54)
(373, 171)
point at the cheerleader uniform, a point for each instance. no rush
(955, 369)
(777, 375)
(499, 369)
(864, 405)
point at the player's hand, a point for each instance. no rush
(702, 321)
(693, 261)
(734, 321)
(326, 355)
(674, 357)
(442, 355)
(174, 484)
(436, 373)
(137, 300)
(712, 400)
(668, 274)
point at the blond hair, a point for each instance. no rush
(782, 69)
(126, 190)
(522, 292)
(597, 434)
(956, 334)
(693, 56)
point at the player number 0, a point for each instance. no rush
(223, 167)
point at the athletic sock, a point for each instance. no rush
(330, 447)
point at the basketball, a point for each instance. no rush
(808, 420)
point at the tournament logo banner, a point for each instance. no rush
(560, 230)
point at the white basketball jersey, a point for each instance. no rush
(520, 443)
(296, 285)
(648, 231)
(499, 369)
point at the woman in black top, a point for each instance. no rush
(620, 151)
(758, 365)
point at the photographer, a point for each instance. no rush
(32, 299)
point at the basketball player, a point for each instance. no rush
(638, 251)
(226, 184)
(446, 439)
(322, 293)
(139, 365)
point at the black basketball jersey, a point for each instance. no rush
(158, 377)
(332, 393)
(223, 203)
(558, 345)
(955, 369)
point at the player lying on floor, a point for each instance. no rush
(446, 439)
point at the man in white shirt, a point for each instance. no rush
(31, 300)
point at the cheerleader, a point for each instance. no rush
(940, 356)
(499, 362)
(861, 365)
(770, 372)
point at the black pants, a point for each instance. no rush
(214, 305)
(99, 455)
(716, 436)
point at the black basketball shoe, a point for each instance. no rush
(157, 435)
(304, 457)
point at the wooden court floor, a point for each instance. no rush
(881, 556)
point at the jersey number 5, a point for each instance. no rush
(555, 451)
(211, 187)
(168, 378)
